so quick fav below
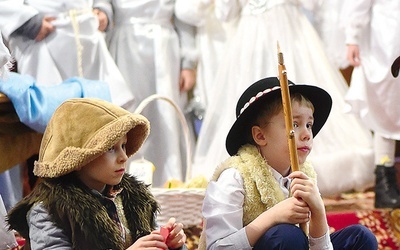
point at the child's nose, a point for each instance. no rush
(305, 134)
(122, 157)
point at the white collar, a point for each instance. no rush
(284, 182)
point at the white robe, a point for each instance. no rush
(75, 49)
(211, 37)
(342, 147)
(373, 94)
(145, 44)
(327, 22)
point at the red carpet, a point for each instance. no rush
(385, 224)
(358, 208)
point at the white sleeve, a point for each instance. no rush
(311, 5)
(193, 12)
(5, 55)
(321, 243)
(227, 10)
(13, 14)
(187, 43)
(224, 217)
(355, 16)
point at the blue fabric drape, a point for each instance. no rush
(35, 104)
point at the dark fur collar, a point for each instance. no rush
(79, 212)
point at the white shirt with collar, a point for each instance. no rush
(224, 227)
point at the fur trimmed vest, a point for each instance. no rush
(79, 212)
(262, 190)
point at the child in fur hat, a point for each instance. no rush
(85, 200)
(254, 201)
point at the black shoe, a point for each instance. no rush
(387, 194)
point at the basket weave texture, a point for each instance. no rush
(184, 204)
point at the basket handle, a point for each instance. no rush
(183, 122)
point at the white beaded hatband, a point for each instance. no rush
(259, 94)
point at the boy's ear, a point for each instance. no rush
(258, 136)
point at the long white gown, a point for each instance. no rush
(342, 154)
(75, 49)
(211, 39)
(327, 17)
(145, 44)
(373, 94)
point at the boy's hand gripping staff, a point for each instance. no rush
(287, 110)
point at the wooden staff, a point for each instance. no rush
(287, 110)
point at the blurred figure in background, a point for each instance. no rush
(343, 146)
(326, 16)
(156, 54)
(56, 40)
(212, 37)
(372, 38)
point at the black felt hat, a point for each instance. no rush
(267, 89)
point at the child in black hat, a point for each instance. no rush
(253, 199)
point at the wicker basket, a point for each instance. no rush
(184, 204)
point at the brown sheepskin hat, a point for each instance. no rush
(82, 129)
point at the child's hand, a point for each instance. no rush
(153, 240)
(291, 210)
(304, 188)
(353, 55)
(177, 236)
(46, 28)
(187, 80)
(103, 19)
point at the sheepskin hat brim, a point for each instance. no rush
(82, 129)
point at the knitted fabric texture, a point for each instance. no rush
(82, 129)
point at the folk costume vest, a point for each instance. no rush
(262, 190)
(75, 209)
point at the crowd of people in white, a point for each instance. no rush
(210, 51)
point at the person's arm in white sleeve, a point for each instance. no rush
(193, 12)
(14, 14)
(321, 243)
(227, 10)
(355, 16)
(223, 211)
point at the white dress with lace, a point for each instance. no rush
(343, 146)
